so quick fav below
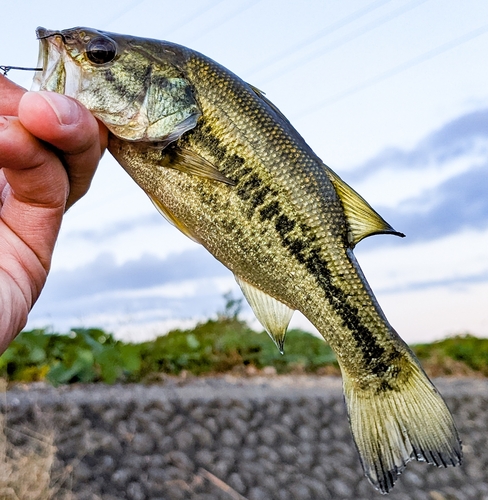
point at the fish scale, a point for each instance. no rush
(223, 164)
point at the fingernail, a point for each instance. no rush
(67, 110)
(3, 123)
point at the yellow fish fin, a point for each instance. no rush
(271, 313)
(363, 219)
(170, 217)
(393, 424)
(188, 161)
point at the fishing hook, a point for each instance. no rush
(6, 69)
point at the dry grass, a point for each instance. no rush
(25, 472)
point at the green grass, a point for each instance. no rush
(216, 346)
(462, 354)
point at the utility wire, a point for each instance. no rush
(197, 14)
(324, 32)
(342, 41)
(430, 54)
(108, 21)
(233, 14)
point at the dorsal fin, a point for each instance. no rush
(271, 313)
(363, 219)
(273, 106)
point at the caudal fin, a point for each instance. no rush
(393, 426)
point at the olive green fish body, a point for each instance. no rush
(228, 169)
(283, 210)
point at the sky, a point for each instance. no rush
(392, 95)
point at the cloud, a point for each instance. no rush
(104, 274)
(134, 309)
(446, 201)
(146, 290)
(116, 229)
(460, 202)
(455, 139)
(447, 283)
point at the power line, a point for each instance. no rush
(132, 5)
(430, 54)
(233, 14)
(128, 8)
(324, 32)
(345, 39)
(197, 14)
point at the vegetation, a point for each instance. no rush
(460, 355)
(92, 355)
(226, 344)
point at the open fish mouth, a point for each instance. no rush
(51, 59)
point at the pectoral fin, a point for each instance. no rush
(171, 218)
(192, 163)
(363, 219)
(272, 314)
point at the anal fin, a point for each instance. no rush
(271, 313)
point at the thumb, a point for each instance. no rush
(68, 126)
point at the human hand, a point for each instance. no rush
(50, 146)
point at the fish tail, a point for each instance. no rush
(392, 426)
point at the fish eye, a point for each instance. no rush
(101, 50)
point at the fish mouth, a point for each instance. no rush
(51, 60)
(42, 33)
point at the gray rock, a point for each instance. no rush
(135, 492)
(211, 425)
(180, 460)
(184, 440)
(236, 483)
(142, 444)
(341, 489)
(205, 458)
(258, 493)
(229, 438)
(299, 490)
(202, 436)
(122, 477)
(278, 440)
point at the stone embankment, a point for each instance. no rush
(230, 438)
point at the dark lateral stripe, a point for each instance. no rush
(251, 189)
(373, 353)
(269, 211)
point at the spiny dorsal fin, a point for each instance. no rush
(171, 218)
(272, 314)
(192, 163)
(263, 97)
(363, 219)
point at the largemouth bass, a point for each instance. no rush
(224, 165)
